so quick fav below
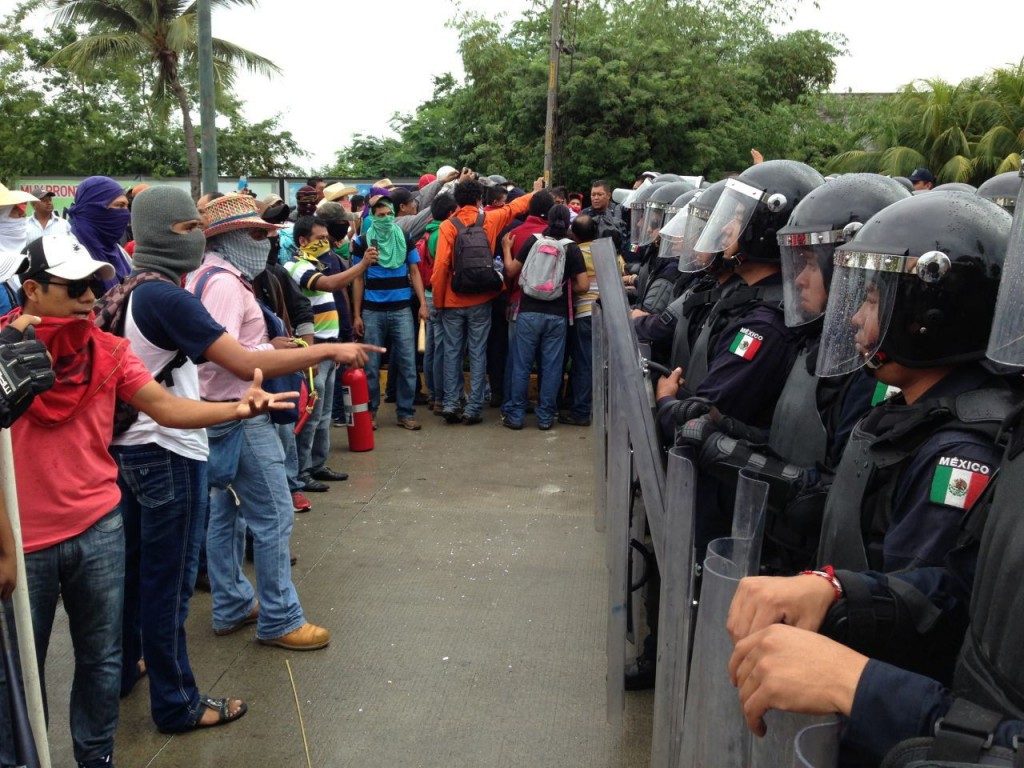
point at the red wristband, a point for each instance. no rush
(828, 573)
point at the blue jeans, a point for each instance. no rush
(392, 329)
(163, 503)
(433, 354)
(291, 457)
(265, 506)
(582, 356)
(313, 443)
(465, 328)
(543, 336)
(87, 571)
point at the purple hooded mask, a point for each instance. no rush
(100, 228)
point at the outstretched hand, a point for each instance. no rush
(257, 400)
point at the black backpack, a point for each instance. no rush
(473, 260)
(110, 317)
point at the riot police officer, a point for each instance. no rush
(885, 616)
(657, 276)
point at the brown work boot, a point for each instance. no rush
(308, 637)
(409, 423)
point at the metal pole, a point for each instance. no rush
(549, 129)
(22, 610)
(207, 107)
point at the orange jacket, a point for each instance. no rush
(494, 222)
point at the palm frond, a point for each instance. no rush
(957, 168)
(239, 56)
(96, 12)
(900, 161)
(80, 55)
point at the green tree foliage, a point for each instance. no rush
(666, 84)
(61, 122)
(159, 37)
(965, 132)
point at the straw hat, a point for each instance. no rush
(233, 212)
(384, 183)
(336, 191)
(15, 196)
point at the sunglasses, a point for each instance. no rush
(77, 288)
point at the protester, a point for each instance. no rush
(99, 218)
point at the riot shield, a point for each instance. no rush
(618, 495)
(674, 625)
(715, 734)
(599, 373)
(817, 746)
(626, 379)
(779, 745)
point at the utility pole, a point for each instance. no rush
(549, 130)
(207, 106)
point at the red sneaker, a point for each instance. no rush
(300, 503)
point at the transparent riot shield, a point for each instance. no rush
(715, 734)
(599, 373)
(817, 746)
(674, 623)
(778, 747)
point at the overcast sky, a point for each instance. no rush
(323, 46)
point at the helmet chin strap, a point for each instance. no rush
(876, 361)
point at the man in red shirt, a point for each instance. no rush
(67, 481)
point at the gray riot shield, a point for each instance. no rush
(599, 374)
(675, 614)
(618, 495)
(626, 378)
(715, 734)
(817, 746)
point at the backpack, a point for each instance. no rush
(426, 264)
(543, 273)
(111, 311)
(473, 259)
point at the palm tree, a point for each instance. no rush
(163, 35)
(1000, 114)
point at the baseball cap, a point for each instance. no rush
(922, 174)
(400, 196)
(40, 192)
(61, 256)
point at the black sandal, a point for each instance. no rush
(223, 709)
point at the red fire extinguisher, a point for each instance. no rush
(356, 395)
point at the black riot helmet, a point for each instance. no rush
(906, 183)
(955, 186)
(1002, 190)
(828, 217)
(917, 286)
(667, 177)
(637, 206)
(754, 207)
(657, 205)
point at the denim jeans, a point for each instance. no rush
(392, 329)
(265, 506)
(433, 354)
(313, 443)
(87, 572)
(163, 503)
(338, 399)
(497, 348)
(582, 356)
(543, 336)
(465, 328)
(291, 457)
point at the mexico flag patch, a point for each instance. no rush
(746, 344)
(959, 482)
(883, 392)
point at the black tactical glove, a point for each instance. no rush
(25, 371)
(693, 408)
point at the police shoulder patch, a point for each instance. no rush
(958, 482)
(746, 343)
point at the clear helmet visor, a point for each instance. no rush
(806, 271)
(860, 303)
(732, 213)
(654, 219)
(679, 238)
(637, 223)
(1006, 341)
